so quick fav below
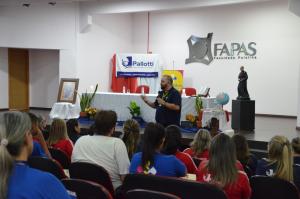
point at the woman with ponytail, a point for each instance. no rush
(150, 160)
(280, 162)
(17, 179)
(131, 136)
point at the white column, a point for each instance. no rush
(298, 115)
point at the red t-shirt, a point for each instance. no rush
(187, 160)
(64, 145)
(203, 155)
(239, 190)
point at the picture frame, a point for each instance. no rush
(68, 90)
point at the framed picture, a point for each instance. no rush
(68, 90)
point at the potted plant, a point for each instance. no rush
(199, 109)
(86, 101)
(135, 112)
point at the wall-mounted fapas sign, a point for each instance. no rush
(203, 51)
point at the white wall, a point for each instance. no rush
(273, 77)
(3, 78)
(44, 77)
(109, 34)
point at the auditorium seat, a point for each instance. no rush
(61, 157)
(270, 187)
(148, 194)
(91, 172)
(47, 165)
(184, 189)
(86, 189)
(139, 89)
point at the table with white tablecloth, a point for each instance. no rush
(65, 110)
(119, 103)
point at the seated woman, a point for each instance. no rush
(18, 180)
(296, 149)
(172, 145)
(279, 163)
(131, 136)
(221, 169)
(200, 145)
(38, 137)
(150, 160)
(73, 130)
(58, 137)
(249, 161)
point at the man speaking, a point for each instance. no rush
(167, 103)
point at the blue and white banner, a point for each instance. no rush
(137, 65)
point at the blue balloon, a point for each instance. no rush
(222, 98)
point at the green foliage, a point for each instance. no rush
(198, 104)
(86, 99)
(134, 109)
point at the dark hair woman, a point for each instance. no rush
(248, 160)
(172, 147)
(73, 130)
(150, 160)
(222, 171)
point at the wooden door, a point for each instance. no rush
(18, 69)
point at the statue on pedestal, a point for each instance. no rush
(242, 87)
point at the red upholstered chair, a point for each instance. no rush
(61, 157)
(189, 91)
(86, 189)
(139, 89)
(148, 194)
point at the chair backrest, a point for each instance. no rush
(270, 187)
(184, 189)
(139, 89)
(61, 157)
(148, 194)
(86, 190)
(47, 165)
(190, 91)
(91, 172)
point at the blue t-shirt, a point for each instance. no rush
(37, 150)
(164, 115)
(29, 183)
(164, 165)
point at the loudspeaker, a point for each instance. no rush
(243, 115)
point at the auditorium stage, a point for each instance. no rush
(265, 128)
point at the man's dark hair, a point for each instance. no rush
(34, 119)
(105, 121)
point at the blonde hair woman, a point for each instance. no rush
(200, 145)
(58, 137)
(18, 180)
(280, 162)
(131, 136)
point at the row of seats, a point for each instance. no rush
(144, 185)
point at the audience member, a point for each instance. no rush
(73, 130)
(200, 145)
(42, 123)
(18, 180)
(131, 136)
(102, 149)
(150, 160)
(296, 149)
(172, 147)
(58, 137)
(222, 171)
(279, 163)
(37, 134)
(247, 159)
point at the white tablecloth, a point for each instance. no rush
(119, 102)
(65, 110)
